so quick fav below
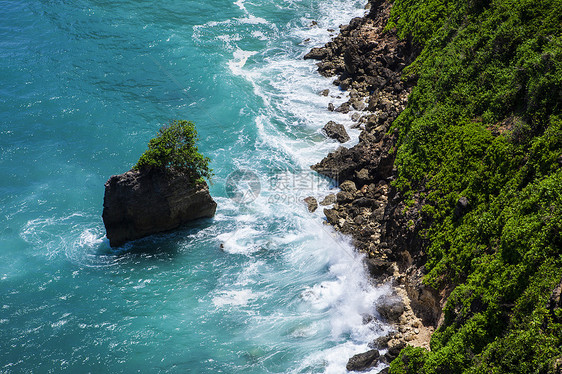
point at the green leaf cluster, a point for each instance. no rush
(175, 148)
(485, 122)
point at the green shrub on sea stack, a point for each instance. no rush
(174, 149)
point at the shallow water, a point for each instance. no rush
(85, 85)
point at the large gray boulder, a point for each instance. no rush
(137, 204)
(336, 131)
(363, 361)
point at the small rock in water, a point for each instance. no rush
(344, 108)
(363, 361)
(312, 204)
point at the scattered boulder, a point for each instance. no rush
(344, 108)
(348, 186)
(336, 131)
(338, 165)
(363, 361)
(363, 175)
(317, 54)
(390, 308)
(311, 203)
(332, 216)
(381, 342)
(461, 208)
(325, 92)
(358, 104)
(344, 197)
(394, 348)
(137, 204)
(329, 200)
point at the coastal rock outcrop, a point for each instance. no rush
(363, 361)
(137, 204)
(367, 61)
(312, 204)
(336, 131)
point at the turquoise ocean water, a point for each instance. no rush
(84, 86)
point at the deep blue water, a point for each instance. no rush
(84, 86)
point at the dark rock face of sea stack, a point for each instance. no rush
(137, 204)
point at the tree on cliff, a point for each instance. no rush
(174, 149)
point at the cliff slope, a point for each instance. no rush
(462, 189)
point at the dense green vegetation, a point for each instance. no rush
(175, 148)
(485, 123)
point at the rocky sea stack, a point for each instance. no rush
(164, 190)
(137, 204)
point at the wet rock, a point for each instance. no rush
(344, 108)
(311, 203)
(336, 131)
(326, 68)
(317, 54)
(137, 204)
(325, 92)
(358, 104)
(366, 202)
(363, 361)
(329, 200)
(390, 308)
(331, 107)
(332, 216)
(338, 165)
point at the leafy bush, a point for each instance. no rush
(485, 122)
(174, 148)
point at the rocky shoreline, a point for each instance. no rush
(367, 61)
